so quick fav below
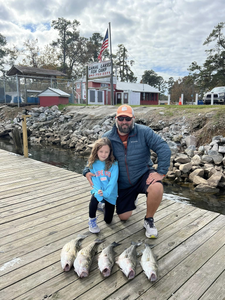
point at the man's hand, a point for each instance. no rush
(153, 178)
(89, 178)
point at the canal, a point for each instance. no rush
(65, 158)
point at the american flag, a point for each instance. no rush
(104, 45)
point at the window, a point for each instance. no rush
(126, 98)
(78, 85)
(100, 93)
(92, 96)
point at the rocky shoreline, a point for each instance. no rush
(77, 129)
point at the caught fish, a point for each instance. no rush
(69, 252)
(106, 259)
(149, 263)
(84, 259)
(127, 260)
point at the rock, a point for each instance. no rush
(199, 180)
(214, 179)
(196, 160)
(177, 173)
(185, 168)
(197, 172)
(209, 169)
(190, 151)
(207, 159)
(177, 138)
(206, 189)
(215, 147)
(217, 138)
(182, 158)
(221, 149)
(173, 147)
(223, 161)
(190, 140)
(217, 157)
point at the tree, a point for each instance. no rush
(170, 84)
(153, 79)
(49, 58)
(2, 50)
(94, 46)
(212, 73)
(183, 86)
(121, 62)
(68, 34)
(12, 55)
(32, 51)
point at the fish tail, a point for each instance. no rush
(98, 241)
(82, 236)
(115, 244)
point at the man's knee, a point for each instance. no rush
(157, 187)
(125, 216)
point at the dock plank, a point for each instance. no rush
(42, 207)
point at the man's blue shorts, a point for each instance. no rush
(127, 197)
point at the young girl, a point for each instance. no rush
(102, 163)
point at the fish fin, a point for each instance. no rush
(140, 253)
(136, 244)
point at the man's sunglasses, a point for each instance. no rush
(128, 119)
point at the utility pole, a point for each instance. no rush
(111, 77)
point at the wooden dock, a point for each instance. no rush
(42, 207)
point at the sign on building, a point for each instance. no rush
(99, 70)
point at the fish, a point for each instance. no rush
(127, 260)
(69, 252)
(149, 263)
(83, 261)
(106, 259)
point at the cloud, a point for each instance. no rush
(163, 35)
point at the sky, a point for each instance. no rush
(161, 35)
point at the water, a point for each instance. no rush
(65, 158)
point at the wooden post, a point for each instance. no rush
(86, 85)
(18, 91)
(24, 127)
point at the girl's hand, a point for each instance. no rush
(100, 192)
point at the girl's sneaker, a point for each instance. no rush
(93, 227)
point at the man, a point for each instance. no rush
(131, 147)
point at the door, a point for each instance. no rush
(118, 98)
(96, 97)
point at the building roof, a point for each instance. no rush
(53, 92)
(136, 87)
(98, 80)
(34, 72)
(125, 86)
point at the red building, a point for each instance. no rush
(99, 92)
(52, 96)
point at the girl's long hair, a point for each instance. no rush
(94, 153)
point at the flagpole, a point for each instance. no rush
(111, 77)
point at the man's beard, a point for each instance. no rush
(125, 129)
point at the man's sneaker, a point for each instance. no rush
(151, 231)
(101, 207)
(93, 227)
